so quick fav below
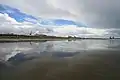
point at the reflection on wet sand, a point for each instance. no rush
(60, 61)
(104, 65)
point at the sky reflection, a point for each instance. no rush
(55, 48)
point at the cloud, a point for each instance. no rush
(38, 8)
(10, 25)
(95, 13)
(78, 31)
(101, 16)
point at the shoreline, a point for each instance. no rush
(34, 40)
(28, 40)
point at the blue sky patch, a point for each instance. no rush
(21, 17)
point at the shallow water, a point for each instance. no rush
(60, 60)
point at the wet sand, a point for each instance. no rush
(29, 40)
(92, 65)
(51, 39)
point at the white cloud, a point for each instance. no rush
(5, 18)
(10, 25)
(101, 16)
(95, 13)
(40, 8)
(78, 31)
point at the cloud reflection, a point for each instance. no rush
(54, 48)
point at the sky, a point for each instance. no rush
(101, 17)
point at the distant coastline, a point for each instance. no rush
(28, 38)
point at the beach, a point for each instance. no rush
(57, 60)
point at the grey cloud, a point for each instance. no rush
(107, 12)
(113, 32)
(95, 13)
(37, 8)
